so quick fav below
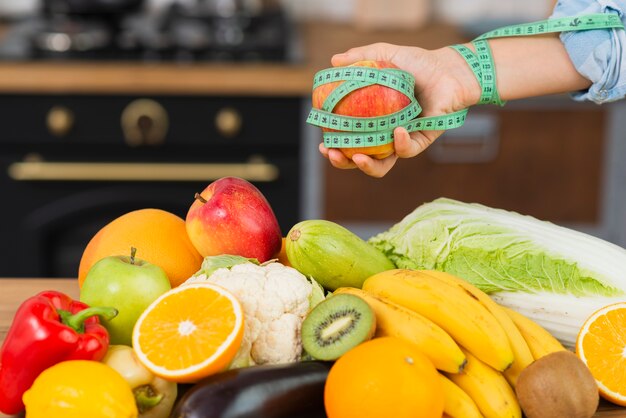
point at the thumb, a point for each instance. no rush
(408, 146)
(374, 52)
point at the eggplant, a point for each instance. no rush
(272, 391)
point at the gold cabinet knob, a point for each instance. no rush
(228, 122)
(60, 121)
(144, 122)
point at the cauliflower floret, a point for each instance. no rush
(275, 301)
(275, 344)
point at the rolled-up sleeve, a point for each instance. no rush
(598, 55)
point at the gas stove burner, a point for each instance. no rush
(63, 36)
(174, 35)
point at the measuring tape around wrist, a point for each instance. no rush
(482, 65)
(481, 62)
(350, 132)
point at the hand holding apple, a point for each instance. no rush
(370, 101)
(127, 284)
(231, 216)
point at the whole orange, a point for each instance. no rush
(381, 378)
(282, 255)
(159, 236)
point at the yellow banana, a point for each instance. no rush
(398, 321)
(458, 404)
(453, 309)
(539, 340)
(521, 352)
(487, 388)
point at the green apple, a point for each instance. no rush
(128, 284)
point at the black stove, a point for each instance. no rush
(175, 34)
(104, 135)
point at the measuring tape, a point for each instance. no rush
(365, 132)
(350, 132)
(481, 61)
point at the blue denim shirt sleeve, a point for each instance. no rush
(599, 55)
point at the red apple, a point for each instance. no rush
(371, 101)
(231, 216)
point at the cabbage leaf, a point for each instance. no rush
(497, 250)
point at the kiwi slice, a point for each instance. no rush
(336, 325)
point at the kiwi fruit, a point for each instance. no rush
(336, 325)
(557, 385)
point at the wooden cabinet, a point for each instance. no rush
(542, 161)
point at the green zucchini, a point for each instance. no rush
(333, 255)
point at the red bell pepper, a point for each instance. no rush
(48, 328)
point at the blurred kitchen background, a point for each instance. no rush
(112, 105)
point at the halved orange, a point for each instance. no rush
(601, 345)
(189, 332)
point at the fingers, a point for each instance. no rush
(338, 160)
(406, 146)
(372, 167)
(336, 157)
(375, 52)
(323, 150)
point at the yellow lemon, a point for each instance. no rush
(79, 389)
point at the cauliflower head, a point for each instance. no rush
(275, 300)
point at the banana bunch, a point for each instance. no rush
(479, 347)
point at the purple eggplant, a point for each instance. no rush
(276, 391)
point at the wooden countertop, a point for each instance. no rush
(14, 291)
(319, 41)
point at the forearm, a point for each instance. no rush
(534, 66)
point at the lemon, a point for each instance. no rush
(80, 389)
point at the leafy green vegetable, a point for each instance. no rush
(497, 250)
(214, 262)
(317, 294)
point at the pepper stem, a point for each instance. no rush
(145, 398)
(77, 321)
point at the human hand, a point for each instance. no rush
(443, 84)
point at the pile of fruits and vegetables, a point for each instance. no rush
(459, 310)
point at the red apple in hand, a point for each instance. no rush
(231, 216)
(370, 101)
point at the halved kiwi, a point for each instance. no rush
(336, 325)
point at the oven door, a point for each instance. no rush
(53, 206)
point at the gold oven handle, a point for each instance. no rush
(70, 171)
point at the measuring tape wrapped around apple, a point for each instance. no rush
(373, 135)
